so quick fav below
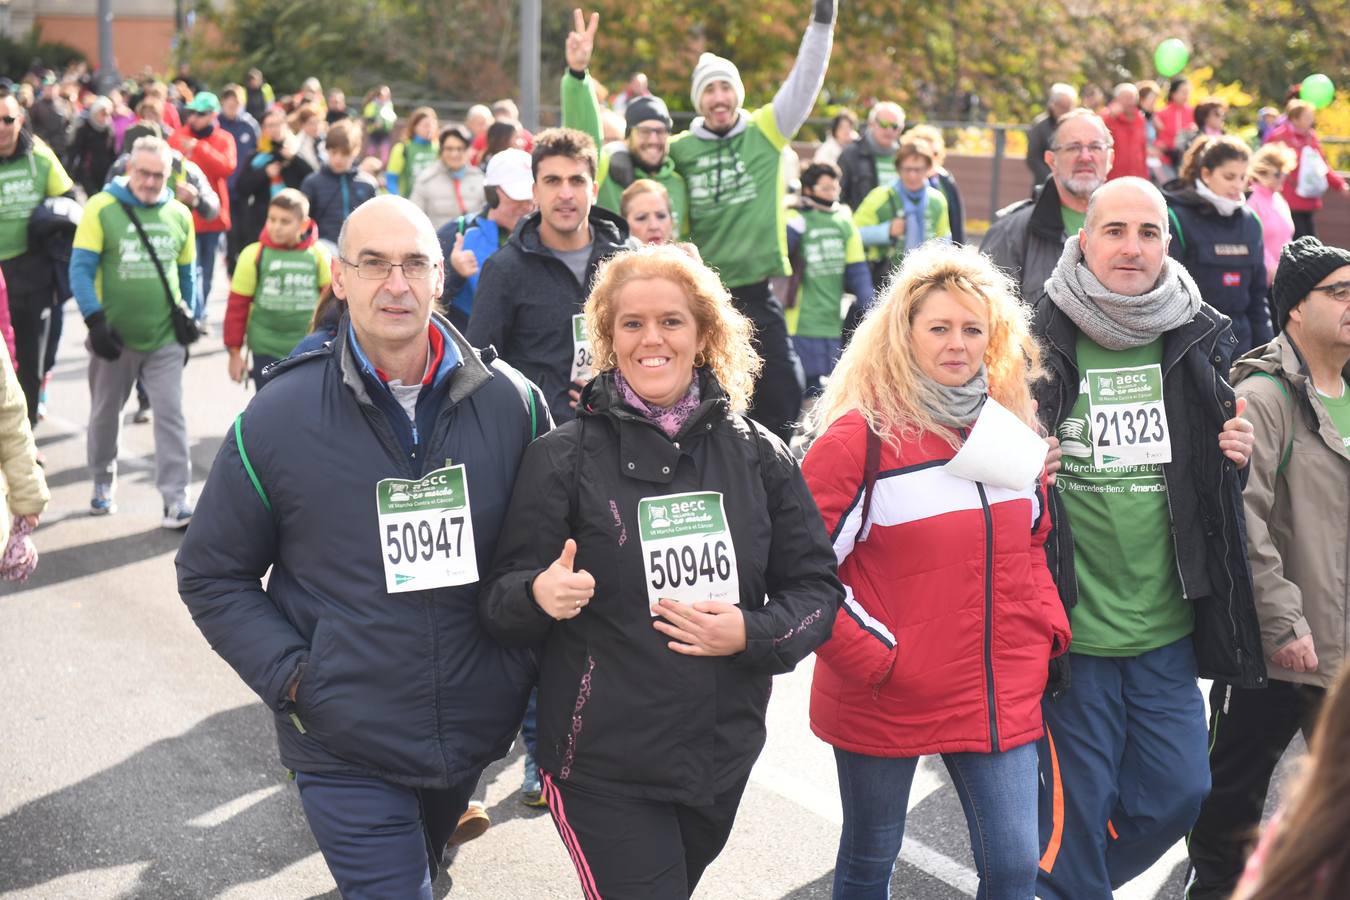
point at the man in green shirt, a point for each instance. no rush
(1297, 502)
(731, 160)
(29, 174)
(121, 293)
(1027, 237)
(1147, 543)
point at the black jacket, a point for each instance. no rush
(525, 300)
(956, 207)
(324, 189)
(1226, 256)
(858, 172)
(254, 190)
(406, 687)
(1204, 488)
(1039, 138)
(1027, 240)
(619, 712)
(91, 155)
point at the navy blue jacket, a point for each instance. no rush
(1226, 257)
(405, 687)
(526, 298)
(332, 197)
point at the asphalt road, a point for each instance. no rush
(134, 763)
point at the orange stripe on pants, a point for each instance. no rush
(1056, 808)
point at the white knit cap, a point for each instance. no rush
(712, 68)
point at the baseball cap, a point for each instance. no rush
(204, 102)
(511, 171)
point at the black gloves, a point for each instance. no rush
(824, 11)
(102, 339)
(1058, 681)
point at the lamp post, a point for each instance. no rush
(529, 63)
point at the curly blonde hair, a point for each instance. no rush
(878, 374)
(726, 333)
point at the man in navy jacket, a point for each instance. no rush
(371, 476)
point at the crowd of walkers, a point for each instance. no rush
(585, 435)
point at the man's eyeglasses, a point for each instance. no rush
(652, 130)
(1340, 291)
(379, 269)
(1096, 148)
(887, 124)
(9, 120)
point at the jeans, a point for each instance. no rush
(208, 244)
(997, 792)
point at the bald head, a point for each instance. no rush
(1124, 237)
(386, 210)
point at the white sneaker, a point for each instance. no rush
(177, 516)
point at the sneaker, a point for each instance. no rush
(102, 502)
(142, 414)
(177, 516)
(42, 397)
(531, 792)
(471, 825)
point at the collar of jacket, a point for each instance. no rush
(644, 450)
(1178, 193)
(467, 373)
(608, 232)
(1282, 359)
(1046, 219)
(699, 127)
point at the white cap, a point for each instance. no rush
(511, 172)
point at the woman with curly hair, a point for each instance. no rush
(664, 552)
(950, 617)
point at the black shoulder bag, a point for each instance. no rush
(185, 329)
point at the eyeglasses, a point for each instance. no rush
(1340, 291)
(9, 120)
(379, 269)
(149, 176)
(652, 130)
(1096, 148)
(884, 123)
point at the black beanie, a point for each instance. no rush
(645, 108)
(1303, 263)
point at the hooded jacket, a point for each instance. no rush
(1204, 487)
(333, 196)
(1226, 256)
(240, 304)
(619, 712)
(526, 298)
(406, 687)
(1027, 240)
(1297, 502)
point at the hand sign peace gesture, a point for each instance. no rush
(581, 40)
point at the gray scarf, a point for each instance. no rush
(957, 407)
(1113, 320)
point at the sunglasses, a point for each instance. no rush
(883, 123)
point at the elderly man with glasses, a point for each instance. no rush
(371, 477)
(870, 160)
(1028, 237)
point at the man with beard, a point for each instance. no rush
(1028, 237)
(645, 151)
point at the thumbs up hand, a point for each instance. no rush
(560, 591)
(1238, 436)
(461, 260)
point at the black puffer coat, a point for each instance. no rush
(620, 712)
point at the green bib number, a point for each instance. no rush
(583, 358)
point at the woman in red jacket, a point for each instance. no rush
(950, 616)
(1297, 132)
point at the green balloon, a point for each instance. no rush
(1317, 90)
(1171, 57)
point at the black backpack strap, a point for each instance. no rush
(871, 467)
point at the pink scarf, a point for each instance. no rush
(670, 419)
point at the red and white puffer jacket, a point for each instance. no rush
(950, 616)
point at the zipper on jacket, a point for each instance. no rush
(989, 615)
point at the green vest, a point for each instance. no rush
(283, 303)
(736, 188)
(611, 191)
(23, 185)
(1130, 598)
(416, 157)
(829, 243)
(129, 287)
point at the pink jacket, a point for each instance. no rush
(6, 327)
(1277, 225)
